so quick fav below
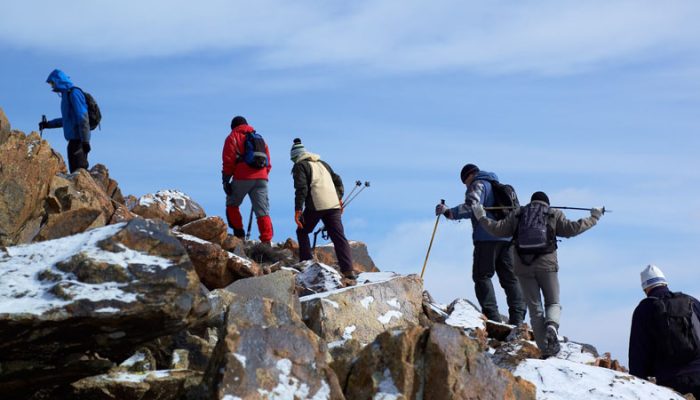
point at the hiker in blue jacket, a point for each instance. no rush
(491, 254)
(649, 338)
(74, 120)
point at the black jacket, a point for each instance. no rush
(644, 350)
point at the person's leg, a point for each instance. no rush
(549, 282)
(482, 272)
(332, 221)
(509, 283)
(76, 157)
(531, 292)
(233, 214)
(261, 207)
(309, 220)
(684, 384)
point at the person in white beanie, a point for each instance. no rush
(665, 335)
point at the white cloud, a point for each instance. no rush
(550, 37)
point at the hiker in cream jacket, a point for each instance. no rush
(318, 194)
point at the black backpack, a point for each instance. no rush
(677, 328)
(534, 235)
(504, 196)
(254, 153)
(94, 113)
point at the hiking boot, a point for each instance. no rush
(349, 275)
(239, 233)
(552, 346)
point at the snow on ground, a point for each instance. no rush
(22, 292)
(558, 379)
(289, 387)
(466, 316)
(170, 200)
(365, 278)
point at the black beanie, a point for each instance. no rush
(238, 121)
(541, 196)
(466, 170)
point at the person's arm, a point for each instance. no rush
(475, 195)
(80, 114)
(228, 156)
(269, 160)
(301, 184)
(54, 123)
(641, 346)
(568, 228)
(503, 228)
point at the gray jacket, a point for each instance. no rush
(562, 226)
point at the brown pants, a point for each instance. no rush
(334, 225)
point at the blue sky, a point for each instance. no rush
(594, 103)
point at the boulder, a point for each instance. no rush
(75, 203)
(171, 206)
(317, 278)
(361, 261)
(27, 166)
(279, 286)
(161, 385)
(100, 174)
(267, 352)
(364, 311)
(5, 127)
(107, 290)
(211, 229)
(435, 363)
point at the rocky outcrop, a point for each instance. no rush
(161, 385)
(279, 286)
(437, 363)
(211, 229)
(5, 127)
(171, 206)
(266, 351)
(364, 311)
(361, 261)
(27, 167)
(106, 290)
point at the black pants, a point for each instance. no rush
(684, 384)
(497, 257)
(331, 219)
(77, 158)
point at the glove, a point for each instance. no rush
(43, 125)
(596, 212)
(441, 209)
(86, 147)
(226, 182)
(297, 218)
(478, 211)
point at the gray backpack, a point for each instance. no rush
(534, 235)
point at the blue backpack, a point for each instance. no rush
(254, 151)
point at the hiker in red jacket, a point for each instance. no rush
(241, 176)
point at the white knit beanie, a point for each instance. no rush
(652, 276)
(297, 150)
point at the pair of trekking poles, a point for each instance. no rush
(437, 220)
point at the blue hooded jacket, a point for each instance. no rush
(478, 192)
(74, 112)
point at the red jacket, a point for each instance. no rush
(235, 146)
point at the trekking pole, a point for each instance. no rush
(442, 201)
(558, 207)
(43, 122)
(350, 199)
(357, 185)
(250, 224)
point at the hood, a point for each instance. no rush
(308, 156)
(485, 175)
(61, 81)
(243, 128)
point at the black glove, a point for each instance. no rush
(226, 181)
(43, 125)
(86, 147)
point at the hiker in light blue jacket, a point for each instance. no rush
(74, 119)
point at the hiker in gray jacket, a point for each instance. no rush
(534, 228)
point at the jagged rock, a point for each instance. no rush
(509, 354)
(141, 361)
(171, 206)
(108, 290)
(361, 261)
(161, 385)
(317, 278)
(100, 174)
(263, 253)
(27, 166)
(5, 127)
(344, 355)
(216, 267)
(234, 245)
(211, 229)
(366, 310)
(180, 359)
(267, 352)
(434, 363)
(278, 286)
(75, 203)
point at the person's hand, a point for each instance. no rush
(226, 182)
(442, 209)
(596, 212)
(43, 125)
(298, 218)
(342, 207)
(86, 147)
(478, 211)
